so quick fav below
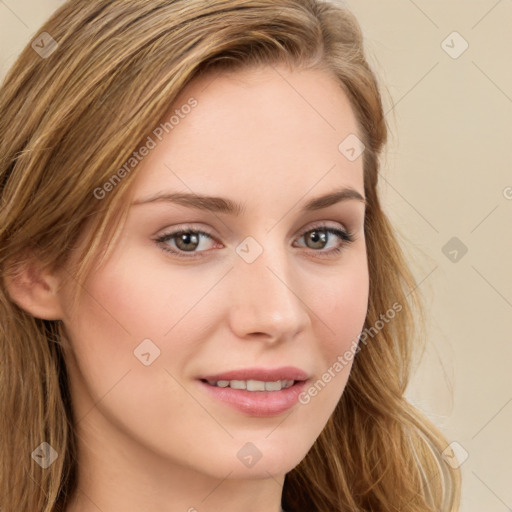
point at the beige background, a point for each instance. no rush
(445, 175)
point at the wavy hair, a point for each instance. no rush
(69, 120)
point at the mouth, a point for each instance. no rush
(251, 375)
(252, 385)
(257, 392)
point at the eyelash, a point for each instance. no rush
(346, 236)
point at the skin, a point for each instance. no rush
(150, 438)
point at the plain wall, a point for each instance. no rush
(446, 179)
(448, 173)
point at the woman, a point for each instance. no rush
(204, 306)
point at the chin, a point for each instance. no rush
(245, 460)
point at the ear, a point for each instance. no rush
(35, 291)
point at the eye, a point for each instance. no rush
(318, 237)
(185, 240)
(188, 240)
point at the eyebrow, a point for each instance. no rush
(224, 205)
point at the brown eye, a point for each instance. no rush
(184, 241)
(187, 241)
(318, 238)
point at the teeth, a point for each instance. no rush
(275, 386)
(237, 384)
(253, 385)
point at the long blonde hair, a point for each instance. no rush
(71, 118)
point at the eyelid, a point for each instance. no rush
(193, 227)
(345, 235)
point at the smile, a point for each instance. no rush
(253, 385)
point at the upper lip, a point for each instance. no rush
(262, 374)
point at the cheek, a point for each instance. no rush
(130, 300)
(127, 302)
(341, 304)
(123, 307)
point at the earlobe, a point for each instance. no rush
(35, 291)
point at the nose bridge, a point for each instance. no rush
(266, 298)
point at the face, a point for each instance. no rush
(267, 296)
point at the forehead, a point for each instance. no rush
(268, 129)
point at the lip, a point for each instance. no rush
(258, 403)
(265, 374)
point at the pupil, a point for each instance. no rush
(317, 236)
(186, 239)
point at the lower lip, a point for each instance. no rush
(258, 403)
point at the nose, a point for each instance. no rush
(266, 299)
